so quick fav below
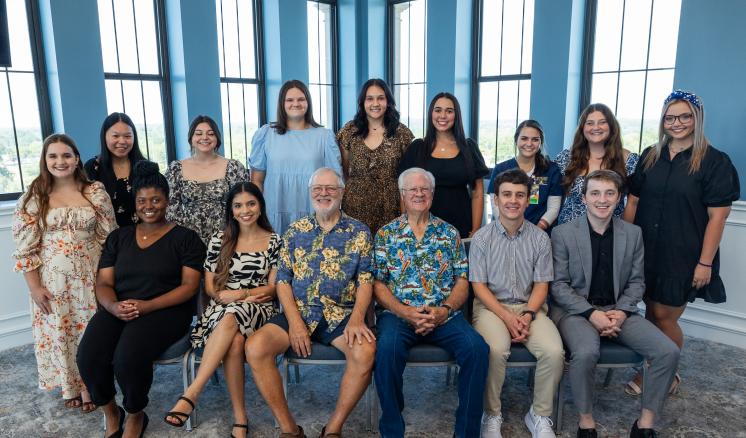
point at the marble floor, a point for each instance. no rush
(711, 403)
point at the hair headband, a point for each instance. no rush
(684, 95)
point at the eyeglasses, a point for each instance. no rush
(418, 190)
(682, 118)
(332, 190)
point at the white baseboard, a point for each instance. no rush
(712, 323)
(15, 330)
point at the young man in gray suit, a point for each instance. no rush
(598, 282)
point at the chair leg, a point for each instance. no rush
(186, 381)
(607, 379)
(560, 404)
(284, 374)
(297, 373)
(373, 407)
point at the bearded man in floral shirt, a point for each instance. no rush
(324, 284)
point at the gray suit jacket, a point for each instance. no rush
(571, 249)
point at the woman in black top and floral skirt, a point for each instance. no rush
(456, 163)
(680, 195)
(240, 271)
(146, 278)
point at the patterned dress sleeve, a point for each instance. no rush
(105, 219)
(175, 180)
(344, 136)
(404, 137)
(562, 160)
(27, 236)
(235, 173)
(274, 251)
(631, 164)
(213, 251)
(258, 156)
(332, 155)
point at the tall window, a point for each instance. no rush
(135, 68)
(633, 55)
(239, 47)
(408, 61)
(322, 30)
(22, 124)
(503, 74)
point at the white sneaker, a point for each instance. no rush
(491, 426)
(540, 427)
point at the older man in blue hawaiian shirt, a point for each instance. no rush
(325, 286)
(421, 282)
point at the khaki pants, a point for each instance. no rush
(544, 343)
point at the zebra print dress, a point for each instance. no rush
(247, 270)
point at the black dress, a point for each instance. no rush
(452, 197)
(672, 212)
(119, 190)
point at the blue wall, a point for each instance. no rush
(711, 62)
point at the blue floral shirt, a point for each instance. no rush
(325, 268)
(424, 272)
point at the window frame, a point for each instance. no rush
(33, 19)
(589, 42)
(476, 77)
(258, 80)
(163, 79)
(335, 64)
(391, 61)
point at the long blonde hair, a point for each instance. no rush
(699, 149)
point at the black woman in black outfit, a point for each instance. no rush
(147, 276)
(456, 163)
(119, 153)
(680, 195)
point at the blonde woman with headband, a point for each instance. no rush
(680, 195)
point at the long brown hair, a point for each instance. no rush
(42, 185)
(231, 230)
(580, 152)
(699, 149)
(281, 124)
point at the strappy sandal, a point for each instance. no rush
(87, 407)
(674, 389)
(632, 388)
(241, 426)
(75, 402)
(181, 417)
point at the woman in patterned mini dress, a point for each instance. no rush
(240, 270)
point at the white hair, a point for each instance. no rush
(416, 170)
(320, 170)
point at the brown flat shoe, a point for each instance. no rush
(329, 435)
(298, 434)
(74, 402)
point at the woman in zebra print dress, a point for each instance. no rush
(240, 270)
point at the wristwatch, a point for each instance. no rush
(450, 309)
(530, 312)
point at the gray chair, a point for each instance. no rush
(181, 353)
(612, 356)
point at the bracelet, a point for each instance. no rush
(704, 264)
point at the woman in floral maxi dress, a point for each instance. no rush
(59, 227)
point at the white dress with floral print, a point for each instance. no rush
(66, 255)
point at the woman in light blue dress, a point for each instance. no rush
(285, 153)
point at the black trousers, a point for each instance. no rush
(112, 348)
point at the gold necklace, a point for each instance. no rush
(145, 236)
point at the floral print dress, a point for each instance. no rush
(66, 255)
(200, 206)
